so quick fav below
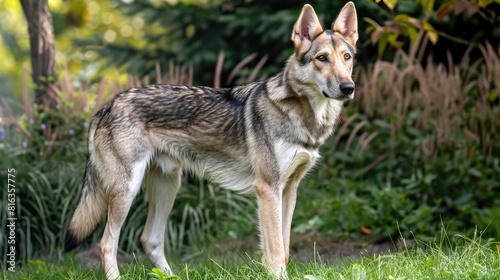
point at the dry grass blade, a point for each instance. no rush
(218, 69)
(414, 47)
(50, 146)
(65, 86)
(176, 75)
(353, 134)
(240, 65)
(374, 163)
(130, 83)
(342, 131)
(257, 68)
(190, 75)
(8, 116)
(158, 71)
(83, 98)
(363, 144)
(99, 96)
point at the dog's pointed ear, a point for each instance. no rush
(347, 23)
(306, 28)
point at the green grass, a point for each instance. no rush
(449, 258)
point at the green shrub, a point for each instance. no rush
(415, 150)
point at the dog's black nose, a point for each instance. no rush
(346, 88)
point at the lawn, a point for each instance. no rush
(455, 257)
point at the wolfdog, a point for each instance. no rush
(259, 138)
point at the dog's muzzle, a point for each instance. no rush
(346, 92)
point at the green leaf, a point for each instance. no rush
(370, 29)
(373, 25)
(474, 172)
(413, 34)
(428, 5)
(431, 32)
(158, 272)
(382, 43)
(404, 18)
(484, 3)
(427, 26)
(392, 37)
(391, 4)
(40, 265)
(393, 40)
(433, 36)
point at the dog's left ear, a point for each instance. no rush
(305, 29)
(347, 23)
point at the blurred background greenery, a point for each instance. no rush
(417, 150)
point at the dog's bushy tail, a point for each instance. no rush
(89, 211)
(93, 202)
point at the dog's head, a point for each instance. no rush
(325, 57)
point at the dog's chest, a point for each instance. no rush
(311, 121)
(292, 158)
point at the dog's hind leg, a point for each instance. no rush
(162, 184)
(122, 189)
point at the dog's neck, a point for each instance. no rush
(304, 104)
(285, 87)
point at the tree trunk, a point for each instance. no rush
(43, 51)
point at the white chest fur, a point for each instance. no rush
(293, 157)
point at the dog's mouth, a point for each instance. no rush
(340, 97)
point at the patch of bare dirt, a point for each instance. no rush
(302, 249)
(327, 248)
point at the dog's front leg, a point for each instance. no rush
(289, 199)
(269, 199)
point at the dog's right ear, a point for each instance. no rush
(306, 28)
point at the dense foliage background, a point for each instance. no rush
(417, 150)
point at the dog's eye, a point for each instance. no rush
(347, 56)
(321, 58)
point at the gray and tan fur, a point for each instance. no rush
(259, 138)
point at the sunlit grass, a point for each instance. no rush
(448, 258)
